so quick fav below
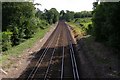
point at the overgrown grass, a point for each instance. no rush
(17, 50)
(80, 25)
(84, 21)
(77, 29)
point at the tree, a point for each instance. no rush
(62, 14)
(52, 15)
(39, 14)
(106, 23)
(69, 15)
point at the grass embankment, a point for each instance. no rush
(17, 50)
(80, 26)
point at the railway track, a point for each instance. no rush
(56, 59)
(72, 54)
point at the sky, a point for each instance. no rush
(71, 5)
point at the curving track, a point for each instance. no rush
(56, 59)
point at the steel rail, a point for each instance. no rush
(76, 69)
(62, 67)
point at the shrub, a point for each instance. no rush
(6, 42)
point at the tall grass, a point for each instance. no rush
(81, 25)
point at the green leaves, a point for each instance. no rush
(6, 42)
(70, 15)
(106, 23)
(52, 15)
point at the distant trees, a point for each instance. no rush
(62, 14)
(83, 14)
(52, 15)
(70, 15)
(106, 23)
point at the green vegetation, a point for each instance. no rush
(77, 29)
(81, 25)
(70, 15)
(106, 23)
(20, 21)
(22, 26)
(17, 50)
(83, 14)
(80, 21)
(83, 22)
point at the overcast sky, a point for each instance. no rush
(72, 5)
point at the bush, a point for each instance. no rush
(15, 36)
(90, 29)
(30, 27)
(6, 42)
(42, 24)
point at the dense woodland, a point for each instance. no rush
(20, 22)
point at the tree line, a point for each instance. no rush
(70, 15)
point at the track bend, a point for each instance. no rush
(56, 59)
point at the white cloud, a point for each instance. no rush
(72, 5)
